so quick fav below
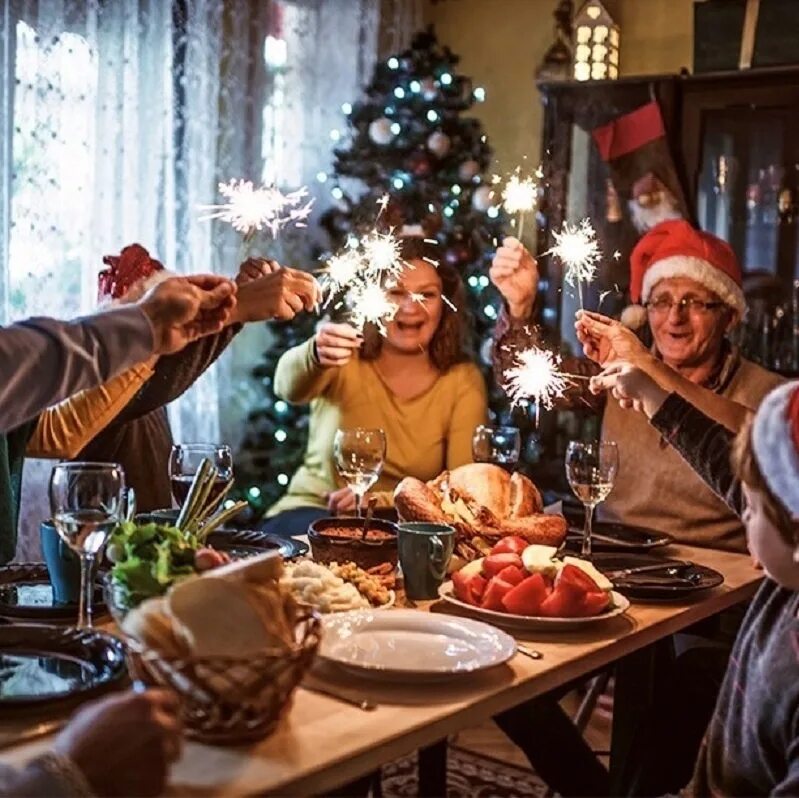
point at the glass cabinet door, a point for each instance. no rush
(747, 187)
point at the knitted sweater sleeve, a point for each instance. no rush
(703, 444)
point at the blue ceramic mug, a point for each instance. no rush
(63, 565)
(424, 554)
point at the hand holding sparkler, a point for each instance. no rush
(277, 293)
(605, 339)
(514, 272)
(632, 387)
(335, 344)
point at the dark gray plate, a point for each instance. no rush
(687, 581)
(26, 593)
(249, 542)
(42, 664)
(614, 537)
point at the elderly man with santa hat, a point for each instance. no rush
(689, 285)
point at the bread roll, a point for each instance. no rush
(151, 624)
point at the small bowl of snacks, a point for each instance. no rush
(343, 540)
(235, 680)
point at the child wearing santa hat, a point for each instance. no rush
(752, 742)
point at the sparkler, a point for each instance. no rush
(577, 248)
(370, 304)
(536, 376)
(519, 197)
(249, 209)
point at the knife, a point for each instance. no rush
(362, 704)
(33, 733)
(673, 566)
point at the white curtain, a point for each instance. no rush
(119, 117)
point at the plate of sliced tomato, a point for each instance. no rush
(531, 587)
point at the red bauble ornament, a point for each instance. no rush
(419, 164)
(457, 255)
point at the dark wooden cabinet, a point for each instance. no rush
(734, 138)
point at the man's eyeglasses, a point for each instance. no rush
(696, 307)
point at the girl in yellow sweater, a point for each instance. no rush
(417, 383)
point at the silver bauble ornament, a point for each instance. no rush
(380, 131)
(481, 199)
(468, 169)
(438, 143)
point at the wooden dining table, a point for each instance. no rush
(323, 742)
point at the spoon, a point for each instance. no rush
(370, 508)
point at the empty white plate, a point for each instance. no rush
(408, 643)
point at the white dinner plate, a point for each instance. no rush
(405, 644)
(534, 622)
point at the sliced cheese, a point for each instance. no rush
(473, 568)
(539, 559)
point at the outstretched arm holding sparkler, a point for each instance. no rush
(622, 355)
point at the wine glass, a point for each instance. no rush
(591, 469)
(359, 454)
(498, 445)
(185, 460)
(86, 501)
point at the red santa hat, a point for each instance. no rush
(675, 249)
(775, 442)
(129, 275)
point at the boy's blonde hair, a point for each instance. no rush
(746, 468)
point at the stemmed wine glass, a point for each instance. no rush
(185, 459)
(498, 445)
(359, 454)
(86, 501)
(591, 469)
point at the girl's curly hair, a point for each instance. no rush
(451, 342)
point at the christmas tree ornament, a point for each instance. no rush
(482, 198)
(429, 88)
(380, 131)
(419, 164)
(439, 144)
(468, 169)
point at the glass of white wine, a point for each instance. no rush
(591, 469)
(86, 501)
(359, 455)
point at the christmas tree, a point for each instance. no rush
(408, 137)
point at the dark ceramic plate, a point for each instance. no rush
(26, 593)
(239, 542)
(41, 664)
(249, 542)
(677, 580)
(614, 537)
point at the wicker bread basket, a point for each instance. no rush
(227, 700)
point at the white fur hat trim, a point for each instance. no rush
(697, 269)
(138, 289)
(774, 448)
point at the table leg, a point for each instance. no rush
(633, 696)
(433, 770)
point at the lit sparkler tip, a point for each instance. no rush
(616, 255)
(519, 194)
(576, 246)
(369, 303)
(536, 376)
(249, 209)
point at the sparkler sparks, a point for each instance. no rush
(577, 248)
(537, 377)
(249, 209)
(519, 196)
(370, 304)
(381, 253)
